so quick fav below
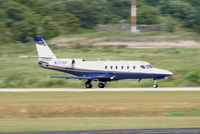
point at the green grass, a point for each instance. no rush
(59, 111)
(66, 124)
(99, 104)
(16, 72)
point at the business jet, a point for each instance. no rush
(102, 71)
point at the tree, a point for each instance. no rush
(5, 34)
(15, 11)
(25, 30)
(151, 2)
(120, 8)
(20, 20)
(85, 12)
(37, 6)
(67, 21)
(180, 10)
(148, 15)
(49, 28)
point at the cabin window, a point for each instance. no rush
(143, 67)
(127, 67)
(133, 67)
(149, 66)
(116, 67)
(106, 67)
(122, 67)
(111, 67)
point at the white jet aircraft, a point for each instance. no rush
(102, 71)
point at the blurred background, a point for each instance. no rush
(22, 19)
(168, 38)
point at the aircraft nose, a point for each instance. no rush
(168, 73)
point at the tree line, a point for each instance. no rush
(20, 20)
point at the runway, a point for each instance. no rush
(95, 89)
(134, 131)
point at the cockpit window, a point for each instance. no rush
(149, 66)
(143, 66)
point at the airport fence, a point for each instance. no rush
(127, 27)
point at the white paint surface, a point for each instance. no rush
(133, 11)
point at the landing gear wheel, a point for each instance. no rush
(155, 86)
(88, 85)
(101, 85)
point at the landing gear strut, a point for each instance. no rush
(101, 85)
(88, 84)
(155, 84)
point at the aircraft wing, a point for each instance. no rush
(102, 76)
(67, 77)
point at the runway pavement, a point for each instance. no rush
(134, 131)
(94, 89)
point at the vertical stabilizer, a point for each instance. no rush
(44, 52)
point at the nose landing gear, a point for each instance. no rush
(155, 84)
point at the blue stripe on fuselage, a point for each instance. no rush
(118, 75)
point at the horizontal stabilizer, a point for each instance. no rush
(66, 77)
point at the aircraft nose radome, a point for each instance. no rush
(168, 73)
(171, 74)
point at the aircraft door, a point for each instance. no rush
(73, 63)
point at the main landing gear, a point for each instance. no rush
(101, 85)
(88, 84)
(155, 84)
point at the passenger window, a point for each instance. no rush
(133, 67)
(111, 67)
(116, 67)
(106, 67)
(127, 67)
(143, 67)
(122, 67)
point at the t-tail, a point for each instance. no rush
(44, 52)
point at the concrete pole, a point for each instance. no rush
(133, 16)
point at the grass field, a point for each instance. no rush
(93, 37)
(98, 104)
(16, 72)
(43, 111)
(25, 73)
(81, 123)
